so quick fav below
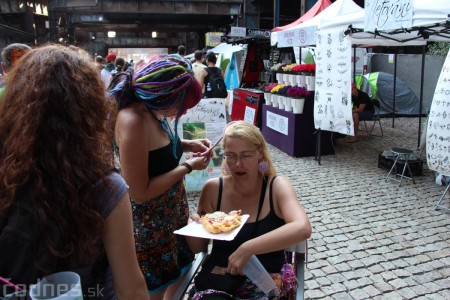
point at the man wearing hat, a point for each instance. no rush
(106, 72)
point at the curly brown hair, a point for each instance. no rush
(55, 145)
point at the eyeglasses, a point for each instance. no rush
(233, 158)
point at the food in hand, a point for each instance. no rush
(219, 221)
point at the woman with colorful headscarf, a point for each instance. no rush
(150, 151)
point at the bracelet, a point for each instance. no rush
(187, 166)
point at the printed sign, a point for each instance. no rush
(249, 114)
(258, 33)
(249, 32)
(304, 36)
(438, 130)
(206, 120)
(277, 123)
(333, 98)
(213, 38)
(388, 14)
(238, 31)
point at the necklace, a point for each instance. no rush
(166, 127)
(164, 123)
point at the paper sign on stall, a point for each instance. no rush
(206, 120)
(277, 123)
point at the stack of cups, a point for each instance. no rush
(255, 271)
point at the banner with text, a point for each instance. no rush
(333, 99)
(304, 36)
(438, 130)
(388, 14)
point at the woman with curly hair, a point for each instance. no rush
(150, 151)
(62, 206)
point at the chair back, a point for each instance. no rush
(298, 248)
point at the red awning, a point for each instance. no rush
(317, 8)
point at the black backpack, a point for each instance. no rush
(215, 85)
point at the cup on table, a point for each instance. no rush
(255, 271)
(58, 286)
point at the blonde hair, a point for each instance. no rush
(251, 133)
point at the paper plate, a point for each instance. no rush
(197, 230)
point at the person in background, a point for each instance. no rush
(119, 63)
(150, 152)
(204, 51)
(362, 110)
(106, 72)
(99, 61)
(198, 66)
(10, 56)
(211, 68)
(64, 208)
(181, 50)
(250, 183)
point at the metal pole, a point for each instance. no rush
(276, 13)
(395, 83)
(421, 94)
(354, 64)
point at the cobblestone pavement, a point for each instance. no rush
(371, 239)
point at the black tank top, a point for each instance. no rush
(272, 261)
(162, 160)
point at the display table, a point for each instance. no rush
(247, 105)
(294, 133)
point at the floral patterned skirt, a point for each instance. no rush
(162, 255)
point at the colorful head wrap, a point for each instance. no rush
(163, 83)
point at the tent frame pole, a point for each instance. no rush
(354, 64)
(276, 13)
(395, 88)
(424, 47)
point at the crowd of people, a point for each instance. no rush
(65, 207)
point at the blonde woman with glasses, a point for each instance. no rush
(276, 218)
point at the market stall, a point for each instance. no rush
(338, 25)
(251, 70)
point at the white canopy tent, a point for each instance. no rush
(429, 24)
(309, 27)
(429, 17)
(227, 48)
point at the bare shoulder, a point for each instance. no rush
(131, 125)
(131, 118)
(282, 188)
(211, 184)
(208, 196)
(280, 182)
